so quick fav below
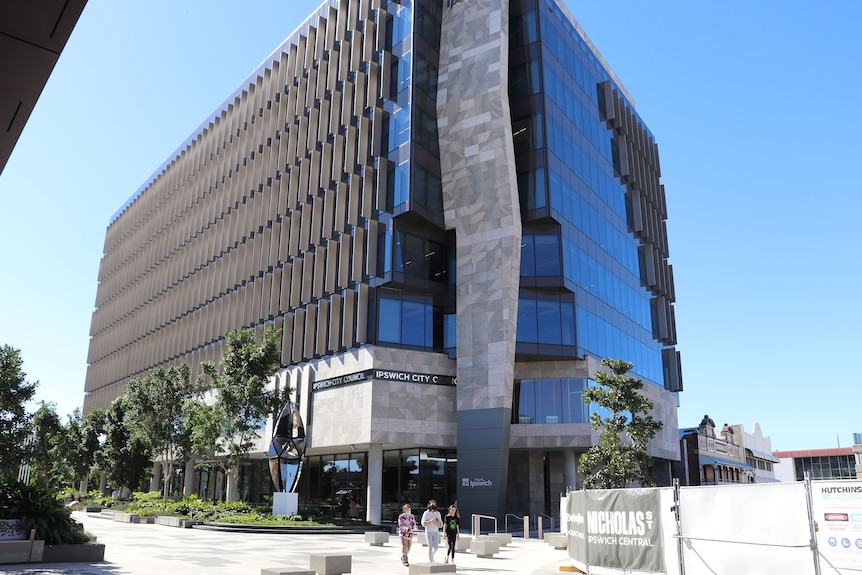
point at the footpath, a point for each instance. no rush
(146, 549)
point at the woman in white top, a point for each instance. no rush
(432, 521)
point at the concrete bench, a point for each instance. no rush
(171, 521)
(376, 538)
(463, 543)
(484, 547)
(419, 537)
(285, 571)
(421, 568)
(330, 563)
(557, 540)
(502, 538)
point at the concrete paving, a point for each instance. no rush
(134, 549)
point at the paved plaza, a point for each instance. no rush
(133, 549)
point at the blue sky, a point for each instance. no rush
(752, 105)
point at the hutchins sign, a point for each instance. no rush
(384, 374)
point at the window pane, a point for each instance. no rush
(413, 323)
(549, 321)
(527, 402)
(527, 326)
(389, 324)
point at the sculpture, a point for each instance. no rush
(287, 448)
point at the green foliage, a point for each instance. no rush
(41, 509)
(125, 459)
(228, 426)
(620, 458)
(15, 392)
(95, 498)
(156, 417)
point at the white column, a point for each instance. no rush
(189, 478)
(374, 490)
(232, 493)
(154, 480)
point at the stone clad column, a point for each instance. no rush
(374, 491)
(189, 478)
(480, 201)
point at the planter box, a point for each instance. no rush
(12, 530)
(27, 551)
(77, 553)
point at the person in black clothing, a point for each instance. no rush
(450, 526)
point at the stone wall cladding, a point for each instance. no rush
(480, 197)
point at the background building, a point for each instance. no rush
(834, 463)
(452, 211)
(721, 454)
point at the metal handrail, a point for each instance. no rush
(475, 523)
(506, 521)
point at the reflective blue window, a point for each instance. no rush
(398, 186)
(523, 29)
(399, 128)
(528, 321)
(402, 22)
(545, 321)
(531, 189)
(407, 321)
(404, 71)
(540, 254)
(389, 325)
(551, 401)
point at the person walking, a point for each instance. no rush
(432, 522)
(406, 525)
(451, 524)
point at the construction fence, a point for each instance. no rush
(802, 528)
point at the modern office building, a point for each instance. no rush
(828, 463)
(453, 212)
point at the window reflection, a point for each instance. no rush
(549, 320)
(410, 320)
(550, 401)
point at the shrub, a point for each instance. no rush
(41, 509)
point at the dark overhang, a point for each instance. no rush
(33, 33)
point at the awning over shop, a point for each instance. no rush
(763, 455)
(709, 460)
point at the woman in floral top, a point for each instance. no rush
(406, 525)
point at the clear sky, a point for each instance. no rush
(753, 105)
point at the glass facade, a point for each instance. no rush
(326, 479)
(416, 475)
(550, 401)
(825, 467)
(577, 236)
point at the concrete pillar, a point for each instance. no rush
(232, 493)
(570, 469)
(157, 474)
(374, 490)
(189, 478)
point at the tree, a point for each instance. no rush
(157, 418)
(47, 454)
(620, 457)
(125, 459)
(82, 438)
(225, 429)
(15, 392)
